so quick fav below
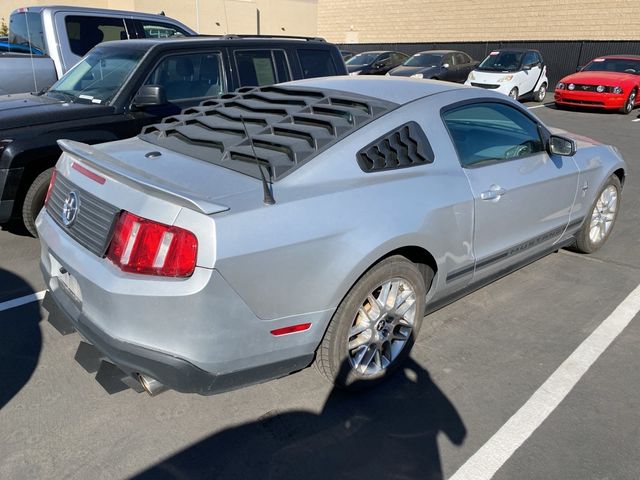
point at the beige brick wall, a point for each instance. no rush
(277, 17)
(372, 21)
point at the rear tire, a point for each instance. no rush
(602, 217)
(34, 200)
(630, 103)
(375, 325)
(541, 93)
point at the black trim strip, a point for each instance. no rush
(522, 247)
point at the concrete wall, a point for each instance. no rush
(375, 21)
(277, 17)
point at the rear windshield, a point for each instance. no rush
(25, 34)
(622, 65)
(424, 60)
(502, 61)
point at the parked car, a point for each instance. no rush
(240, 240)
(346, 54)
(374, 63)
(45, 42)
(119, 87)
(449, 65)
(515, 72)
(610, 82)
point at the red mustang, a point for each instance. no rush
(610, 82)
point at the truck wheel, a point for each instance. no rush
(604, 211)
(374, 327)
(34, 200)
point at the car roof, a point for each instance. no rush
(399, 90)
(620, 57)
(517, 50)
(379, 52)
(440, 52)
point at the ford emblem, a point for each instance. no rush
(70, 209)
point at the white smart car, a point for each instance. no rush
(515, 72)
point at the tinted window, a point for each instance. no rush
(160, 30)
(502, 61)
(491, 132)
(261, 67)
(86, 32)
(25, 34)
(460, 59)
(626, 65)
(424, 59)
(530, 59)
(398, 58)
(316, 63)
(194, 75)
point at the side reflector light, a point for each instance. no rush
(151, 248)
(50, 189)
(301, 327)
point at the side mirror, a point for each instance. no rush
(445, 65)
(526, 67)
(561, 146)
(149, 96)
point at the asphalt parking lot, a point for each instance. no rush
(450, 413)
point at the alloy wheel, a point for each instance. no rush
(603, 215)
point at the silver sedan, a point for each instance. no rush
(316, 221)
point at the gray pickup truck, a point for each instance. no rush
(45, 42)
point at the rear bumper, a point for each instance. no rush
(173, 372)
(589, 99)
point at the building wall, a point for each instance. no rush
(277, 17)
(375, 21)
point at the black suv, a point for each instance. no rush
(120, 87)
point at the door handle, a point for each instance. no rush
(494, 193)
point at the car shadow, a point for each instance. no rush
(20, 337)
(16, 227)
(388, 432)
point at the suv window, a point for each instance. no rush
(316, 63)
(25, 33)
(192, 75)
(261, 67)
(491, 132)
(159, 30)
(85, 32)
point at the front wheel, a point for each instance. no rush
(541, 93)
(514, 93)
(374, 327)
(630, 103)
(34, 200)
(604, 212)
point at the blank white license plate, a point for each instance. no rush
(66, 280)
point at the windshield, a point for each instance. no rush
(25, 34)
(622, 65)
(504, 61)
(362, 59)
(98, 76)
(424, 60)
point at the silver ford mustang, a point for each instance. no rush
(320, 219)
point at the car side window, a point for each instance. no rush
(530, 59)
(193, 75)
(160, 30)
(316, 63)
(398, 58)
(85, 32)
(460, 59)
(448, 59)
(261, 67)
(486, 133)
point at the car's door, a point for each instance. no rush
(522, 195)
(188, 79)
(531, 69)
(448, 73)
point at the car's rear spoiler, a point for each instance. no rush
(144, 181)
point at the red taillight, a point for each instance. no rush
(143, 246)
(50, 189)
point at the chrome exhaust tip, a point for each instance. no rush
(152, 386)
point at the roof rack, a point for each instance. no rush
(285, 127)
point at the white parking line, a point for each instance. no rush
(538, 106)
(493, 454)
(17, 302)
(636, 120)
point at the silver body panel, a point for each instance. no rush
(261, 266)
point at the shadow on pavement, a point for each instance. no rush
(20, 337)
(16, 227)
(387, 432)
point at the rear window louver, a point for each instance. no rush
(406, 146)
(287, 126)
